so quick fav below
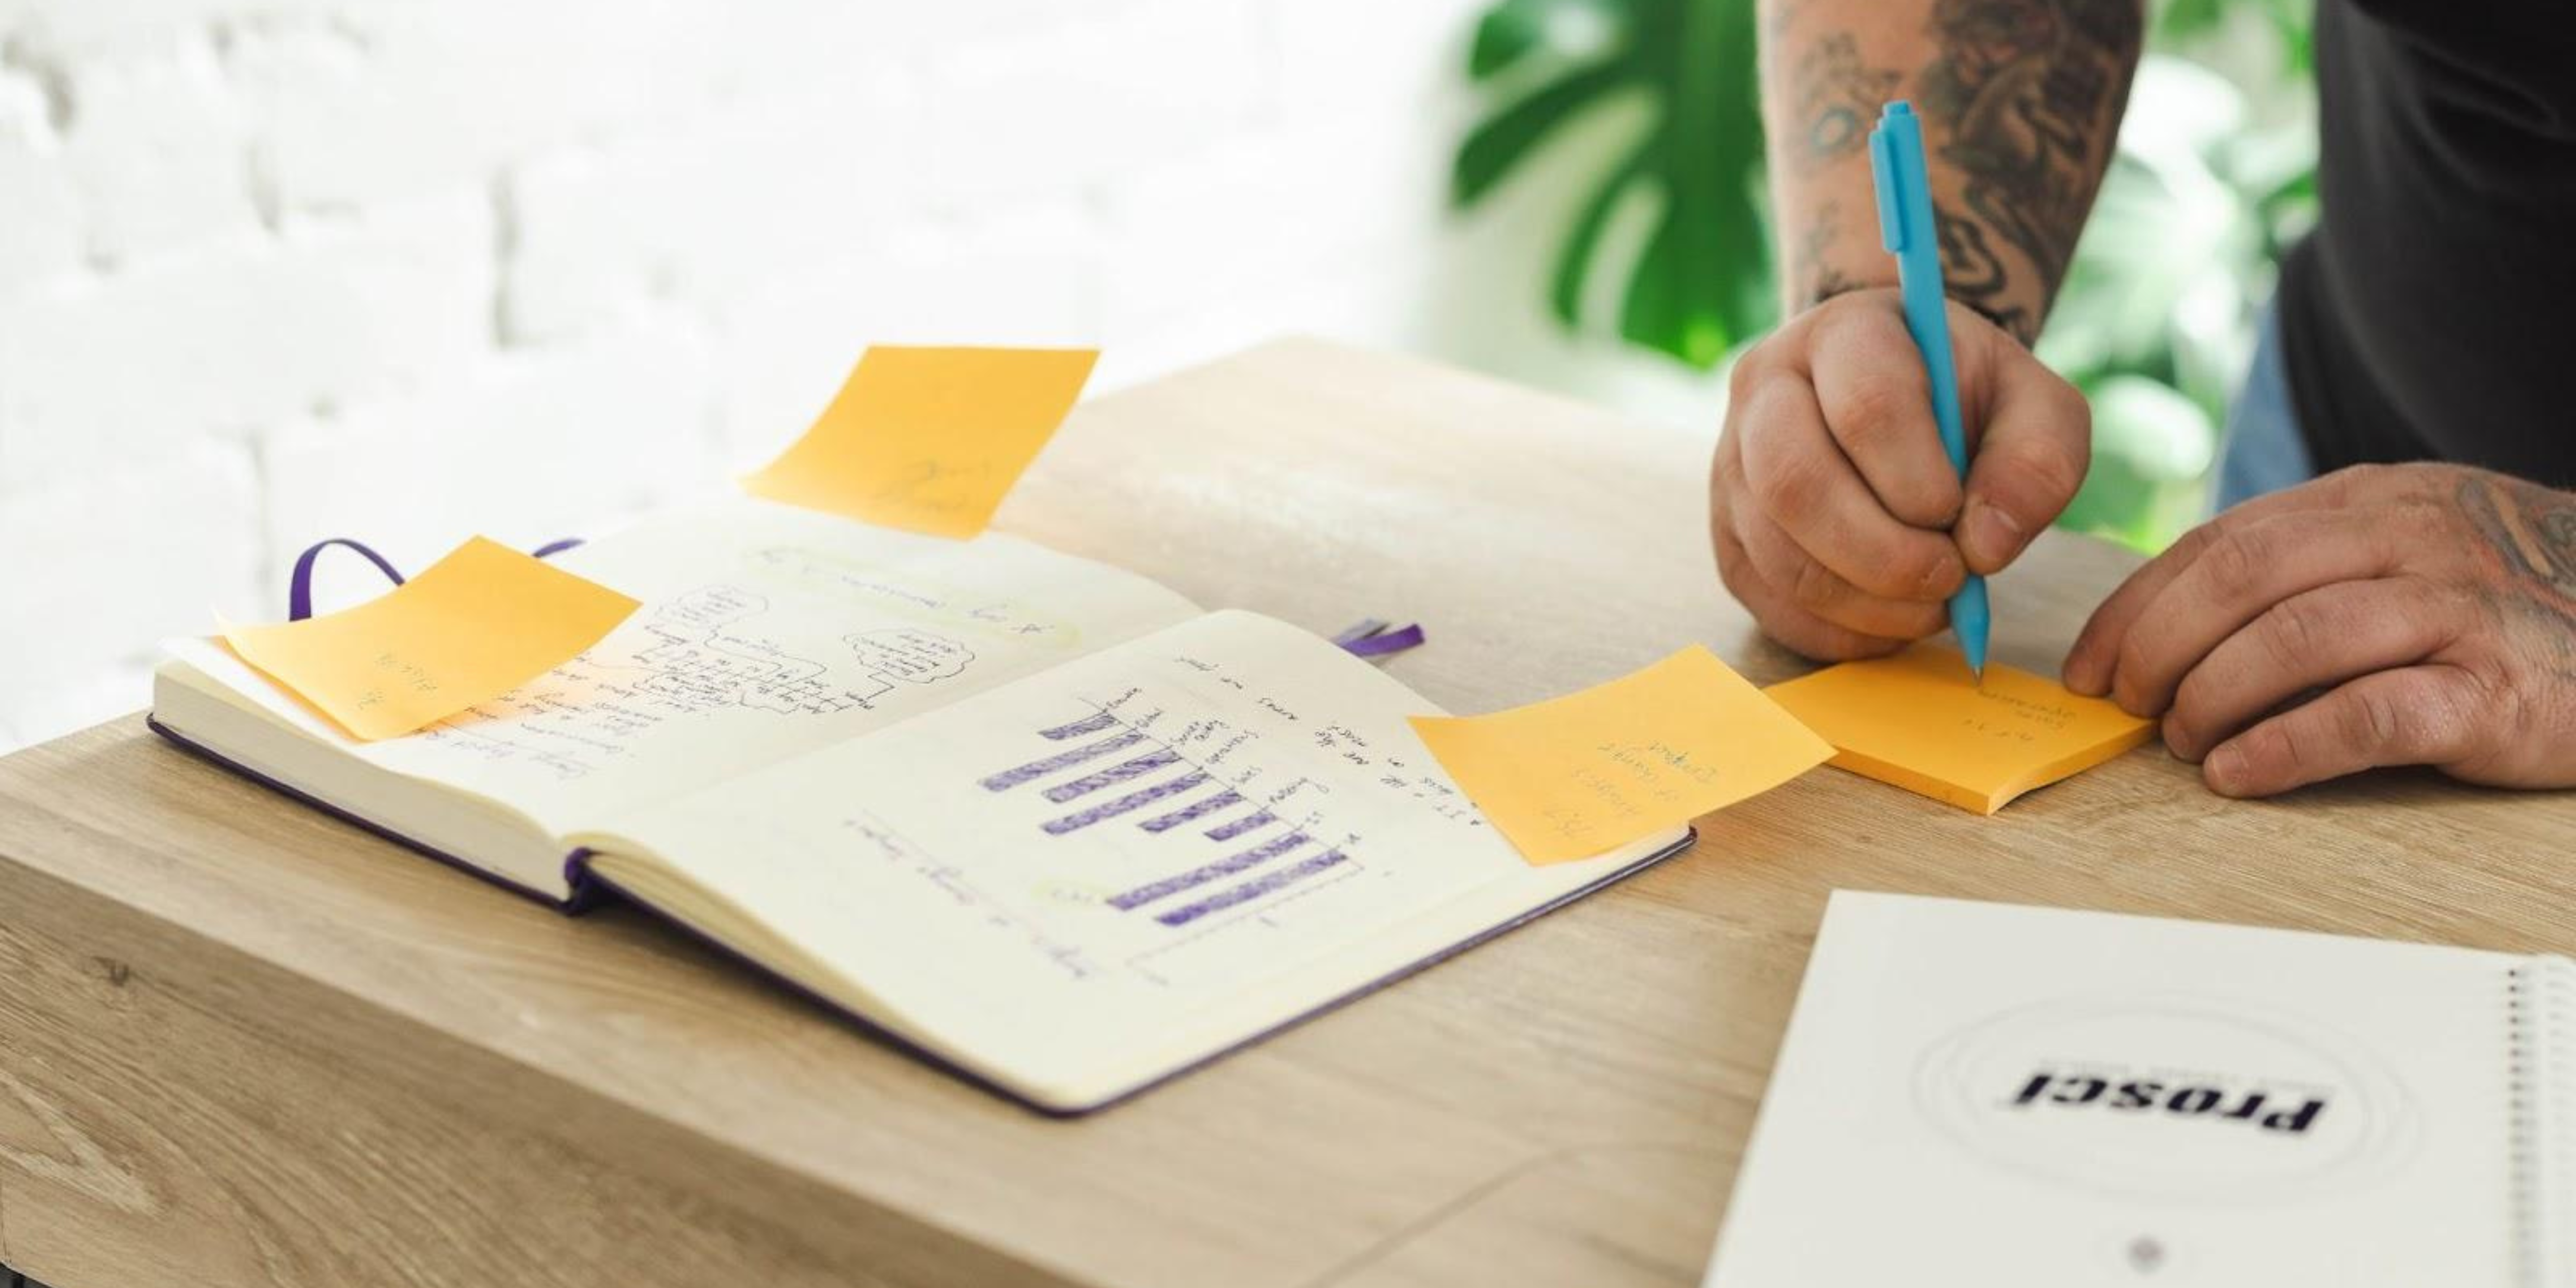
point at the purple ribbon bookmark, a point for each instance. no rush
(299, 583)
(1373, 638)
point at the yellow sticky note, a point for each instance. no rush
(1920, 721)
(929, 440)
(472, 626)
(1589, 772)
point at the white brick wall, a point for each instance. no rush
(275, 270)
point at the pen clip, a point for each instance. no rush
(1891, 199)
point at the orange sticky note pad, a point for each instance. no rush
(1584, 774)
(929, 440)
(1919, 720)
(474, 625)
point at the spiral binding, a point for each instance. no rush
(2540, 1003)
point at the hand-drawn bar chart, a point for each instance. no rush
(1115, 775)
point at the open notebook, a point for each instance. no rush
(1979, 1094)
(1037, 817)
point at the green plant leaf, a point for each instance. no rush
(1688, 294)
(1505, 35)
(1503, 140)
(2186, 19)
(1574, 259)
(1701, 282)
(1515, 29)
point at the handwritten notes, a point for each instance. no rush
(928, 440)
(1918, 720)
(474, 625)
(1580, 775)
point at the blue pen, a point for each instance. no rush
(1905, 224)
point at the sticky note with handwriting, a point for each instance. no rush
(927, 439)
(470, 627)
(1589, 772)
(1920, 721)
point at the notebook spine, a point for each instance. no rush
(2540, 1002)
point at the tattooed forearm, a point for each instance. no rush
(2028, 94)
(1813, 279)
(1974, 275)
(2020, 101)
(1837, 98)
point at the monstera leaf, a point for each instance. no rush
(1701, 284)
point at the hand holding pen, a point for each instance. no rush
(1839, 519)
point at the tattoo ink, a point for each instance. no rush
(2027, 91)
(1810, 275)
(1838, 98)
(2532, 528)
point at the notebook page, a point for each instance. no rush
(765, 631)
(1982, 1094)
(1117, 866)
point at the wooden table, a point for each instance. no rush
(243, 1044)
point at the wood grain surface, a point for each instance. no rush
(241, 1043)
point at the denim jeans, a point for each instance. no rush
(2263, 451)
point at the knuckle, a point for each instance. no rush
(1925, 574)
(2068, 403)
(2413, 517)
(1749, 369)
(2053, 469)
(2292, 634)
(1815, 587)
(2193, 543)
(2359, 478)
(1731, 574)
(2428, 718)
(2378, 719)
(1915, 621)
(1735, 564)
(1903, 570)
(1725, 475)
(1869, 411)
(2353, 482)
(1795, 485)
(2231, 558)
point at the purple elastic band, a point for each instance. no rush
(1373, 639)
(299, 583)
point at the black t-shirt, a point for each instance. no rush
(2432, 314)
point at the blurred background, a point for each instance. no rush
(278, 270)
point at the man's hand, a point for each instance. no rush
(2430, 610)
(1831, 503)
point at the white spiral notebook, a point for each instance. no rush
(1982, 1094)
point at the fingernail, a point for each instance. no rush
(2176, 739)
(2225, 768)
(1992, 534)
(2083, 674)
